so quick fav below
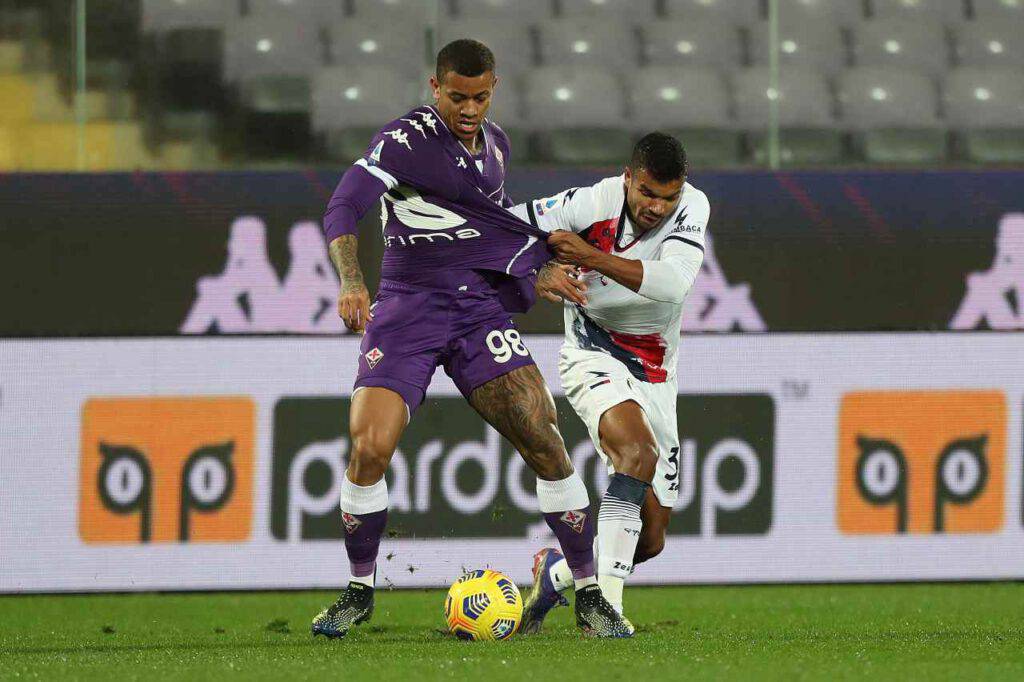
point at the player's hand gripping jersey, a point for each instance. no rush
(441, 207)
(641, 329)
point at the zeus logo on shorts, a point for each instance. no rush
(922, 462)
(166, 470)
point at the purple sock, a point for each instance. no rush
(575, 532)
(362, 540)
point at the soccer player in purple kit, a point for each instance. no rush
(456, 265)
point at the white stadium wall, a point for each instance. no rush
(210, 463)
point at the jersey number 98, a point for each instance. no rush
(503, 344)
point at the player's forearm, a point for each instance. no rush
(628, 273)
(344, 252)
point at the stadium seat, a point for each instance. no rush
(54, 146)
(511, 43)
(986, 107)
(803, 41)
(1009, 11)
(167, 15)
(711, 40)
(990, 42)
(902, 43)
(414, 12)
(188, 67)
(18, 95)
(838, 12)
(308, 11)
(691, 103)
(276, 94)
(926, 11)
(270, 46)
(631, 11)
(578, 114)
(894, 114)
(355, 42)
(350, 104)
(808, 130)
(738, 12)
(518, 11)
(595, 42)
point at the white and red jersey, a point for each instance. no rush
(640, 331)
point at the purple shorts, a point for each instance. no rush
(416, 328)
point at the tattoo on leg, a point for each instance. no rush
(520, 407)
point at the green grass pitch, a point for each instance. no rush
(906, 632)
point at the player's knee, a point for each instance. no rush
(548, 459)
(370, 455)
(638, 459)
(648, 548)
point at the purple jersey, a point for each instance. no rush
(443, 208)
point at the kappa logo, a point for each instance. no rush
(166, 470)
(715, 305)
(416, 124)
(922, 462)
(373, 356)
(247, 297)
(399, 136)
(350, 522)
(995, 297)
(574, 519)
(428, 120)
(461, 162)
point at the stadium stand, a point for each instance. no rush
(902, 43)
(577, 115)
(808, 131)
(230, 82)
(894, 114)
(710, 40)
(986, 107)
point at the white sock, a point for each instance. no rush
(580, 583)
(618, 532)
(363, 579)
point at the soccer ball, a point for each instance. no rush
(483, 605)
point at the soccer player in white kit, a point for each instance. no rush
(637, 242)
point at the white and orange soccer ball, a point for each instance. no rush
(483, 605)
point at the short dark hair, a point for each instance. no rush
(465, 57)
(661, 155)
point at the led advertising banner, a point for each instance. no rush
(148, 254)
(210, 463)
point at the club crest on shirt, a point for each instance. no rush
(574, 519)
(501, 158)
(373, 356)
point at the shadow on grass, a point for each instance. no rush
(378, 636)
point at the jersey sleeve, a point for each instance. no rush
(574, 209)
(358, 190)
(691, 225)
(670, 277)
(410, 151)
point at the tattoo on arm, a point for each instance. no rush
(545, 274)
(344, 253)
